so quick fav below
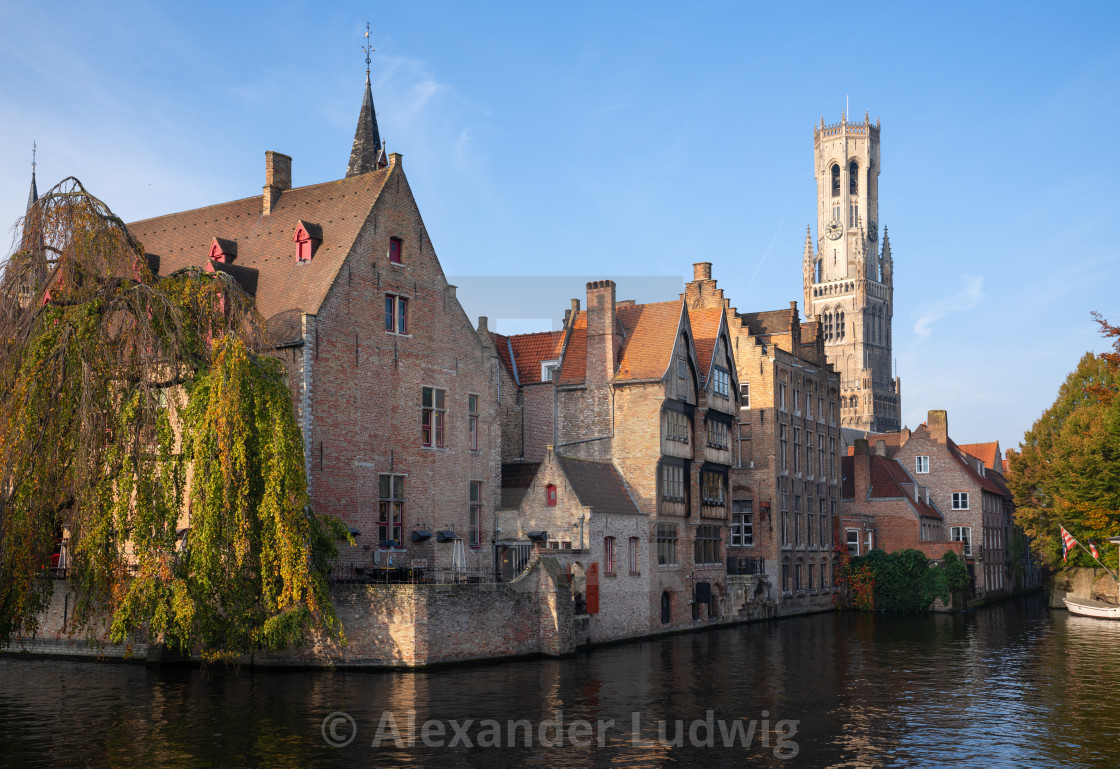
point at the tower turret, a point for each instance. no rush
(368, 153)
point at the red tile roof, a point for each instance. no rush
(573, 369)
(888, 480)
(530, 350)
(705, 331)
(985, 482)
(284, 287)
(650, 333)
(988, 453)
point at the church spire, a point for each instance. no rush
(367, 154)
(33, 195)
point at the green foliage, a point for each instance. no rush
(1067, 469)
(903, 581)
(136, 416)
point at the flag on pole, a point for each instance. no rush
(1067, 542)
(1093, 549)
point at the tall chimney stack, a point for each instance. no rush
(938, 423)
(601, 346)
(277, 178)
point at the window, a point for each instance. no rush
(711, 488)
(783, 441)
(921, 464)
(608, 556)
(745, 396)
(390, 508)
(853, 178)
(826, 540)
(797, 519)
(472, 420)
(963, 534)
(853, 542)
(721, 382)
(960, 500)
(666, 544)
(432, 417)
(672, 483)
(785, 577)
(797, 576)
(835, 181)
(396, 247)
(476, 514)
(742, 523)
(682, 368)
(808, 405)
(809, 528)
(809, 574)
(820, 454)
(677, 426)
(707, 544)
(832, 458)
(746, 451)
(549, 369)
(796, 400)
(635, 556)
(840, 324)
(550, 495)
(719, 435)
(396, 314)
(809, 453)
(796, 449)
(782, 397)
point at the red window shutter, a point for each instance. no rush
(395, 250)
(550, 496)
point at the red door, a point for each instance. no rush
(593, 588)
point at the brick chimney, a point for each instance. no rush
(277, 178)
(938, 423)
(861, 469)
(601, 343)
(702, 271)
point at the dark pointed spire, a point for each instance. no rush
(33, 195)
(366, 155)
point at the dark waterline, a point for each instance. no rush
(1012, 685)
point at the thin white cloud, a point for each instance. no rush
(967, 297)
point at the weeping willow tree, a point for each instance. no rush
(140, 416)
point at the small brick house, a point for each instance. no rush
(396, 395)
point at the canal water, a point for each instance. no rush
(1012, 685)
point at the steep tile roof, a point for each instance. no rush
(984, 481)
(988, 453)
(530, 350)
(598, 486)
(516, 479)
(889, 479)
(705, 331)
(284, 287)
(649, 335)
(573, 370)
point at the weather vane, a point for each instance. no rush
(366, 48)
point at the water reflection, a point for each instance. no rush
(1014, 685)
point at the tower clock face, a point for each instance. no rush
(873, 231)
(835, 229)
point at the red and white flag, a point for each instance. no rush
(1093, 549)
(1067, 542)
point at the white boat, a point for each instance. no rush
(1088, 607)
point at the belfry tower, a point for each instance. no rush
(849, 276)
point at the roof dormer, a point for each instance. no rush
(222, 250)
(307, 239)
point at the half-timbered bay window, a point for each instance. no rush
(666, 544)
(432, 413)
(707, 544)
(677, 427)
(721, 382)
(712, 483)
(672, 483)
(390, 507)
(718, 434)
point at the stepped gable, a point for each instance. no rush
(284, 286)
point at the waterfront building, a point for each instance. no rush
(849, 277)
(395, 392)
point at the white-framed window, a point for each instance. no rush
(782, 397)
(721, 382)
(783, 442)
(796, 400)
(549, 369)
(745, 395)
(921, 464)
(963, 534)
(742, 523)
(390, 507)
(960, 500)
(396, 314)
(853, 542)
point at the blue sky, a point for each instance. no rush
(631, 140)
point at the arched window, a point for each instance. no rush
(826, 321)
(839, 325)
(855, 401)
(818, 270)
(835, 181)
(853, 178)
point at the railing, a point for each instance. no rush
(745, 564)
(409, 575)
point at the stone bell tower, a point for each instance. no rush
(849, 274)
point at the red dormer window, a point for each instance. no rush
(222, 250)
(550, 495)
(396, 248)
(307, 239)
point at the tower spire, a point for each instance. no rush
(33, 194)
(367, 152)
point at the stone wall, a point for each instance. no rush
(1082, 583)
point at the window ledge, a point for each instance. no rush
(635, 574)
(397, 333)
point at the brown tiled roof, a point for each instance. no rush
(651, 333)
(888, 479)
(705, 330)
(598, 486)
(530, 350)
(985, 482)
(284, 287)
(516, 479)
(988, 453)
(501, 343)
(573, 369)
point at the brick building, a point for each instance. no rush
(396, 394)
